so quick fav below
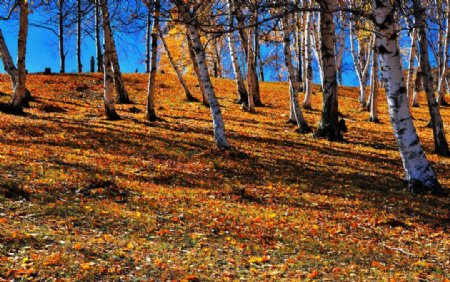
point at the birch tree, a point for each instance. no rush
(440, 142)
(329, 124)
(191, 21)
(361, 59)
(240, 83)
(151, 112)
(18, 99)
(122, 94)
(418, 172)
(295, 85)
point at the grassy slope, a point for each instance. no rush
(132, 199)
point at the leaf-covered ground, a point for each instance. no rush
(84, 198)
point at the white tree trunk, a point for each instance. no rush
(18, 98)
(295, 85)
(242, 90)
(445, 61)
(361, 61)
(196, 70)
(8, 63)
(122, 94)
(98, 47)
(374, 86)
(440, 142)
(308, 63)
(418, 172)
(329, 124)
(191, 25)
(251, 73)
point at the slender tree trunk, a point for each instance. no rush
(18, 99)
(251, 81)
(445, 61)
(98, 45)
(218, 124)
(151, 112)
(258, 57)
(80, 66)
(361, 61)
(440, 142)
(122, 94)
(188, 93)
(412, 55)
(295, 85)
(341, 44)
(418, 172)
(241, 88)
(374, 86)
(308, 64)
(317, 43)
(148, 36)
(8, 63)
(62, 54)
(197, 70)
(329, 123)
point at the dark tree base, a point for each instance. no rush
(417, 187)
(259, 104)
(307, 107)
(304, 129)
(330, 133)
(443, 152)
(151, 116)
(444, 103)
(191, 98)
(374, 120)
(415, 105)
(429, 125)
(112, 115)
(291, 121)
(126, 101)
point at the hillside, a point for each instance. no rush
(104, 200)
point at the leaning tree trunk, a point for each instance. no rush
(308, 64)
(329, 123)
(241, 88)
(188, 94)
(192, 26)
(374, 86)
(440, 142)
(303, 126)
(79, 64)
(8, 63)
(418, 172)
(19, 97)
(197, 70)
(122, 95)
(98, 45)
(151, 112)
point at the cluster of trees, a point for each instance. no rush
(320, 33)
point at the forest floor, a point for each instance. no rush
(84, 198)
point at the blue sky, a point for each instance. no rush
(42, 52)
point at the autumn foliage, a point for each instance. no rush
(84, 198)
